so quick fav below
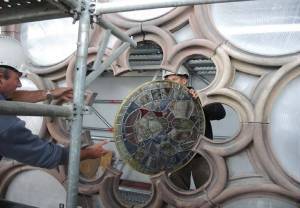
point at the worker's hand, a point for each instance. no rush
(193, 93)
(94, 151)
(63, 94)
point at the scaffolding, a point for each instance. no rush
(87, 12)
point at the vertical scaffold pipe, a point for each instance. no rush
(78, 100)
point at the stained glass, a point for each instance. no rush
(157, 126)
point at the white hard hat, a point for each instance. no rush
(181, 71)
(12, 53)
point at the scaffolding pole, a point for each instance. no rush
(79, 85)
(132, 5)
(93, 75)
(33, 109)
(101, 50)
(116, 31)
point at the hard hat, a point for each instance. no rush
(12, 53)
(181, 71)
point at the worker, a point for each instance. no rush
(197, 166)
(16, 141)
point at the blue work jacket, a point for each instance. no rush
(18, 143)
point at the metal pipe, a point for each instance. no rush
(93, 75)
(112, 7)
(116, 31)
(103, 138)
(101, 50)
(33, 109)
(108, 101)
(156, 75)
(203, 79)
(101, 117)
(98, 129)
(78, 100)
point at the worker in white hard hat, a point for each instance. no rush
(180, 77)
(16, 141)
(197, 166)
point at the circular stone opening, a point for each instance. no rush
(55, 38)
(29, 187)
(224, 122)
(134, 189)
(147, 56)
(202, 71)
(284, 129)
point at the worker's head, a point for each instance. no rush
(9, 80)
(181, 77)
(12, 60)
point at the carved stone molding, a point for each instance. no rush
(268, 91)
(172, 20)
(164, 191)
(182, 51)
(244, 108)
(252, 69)
(91, 187)
(170, 194)
(146, 33)
(273, 85)
(57, 131)
(10, 169)
(108, 191)
(56, 126)
(54, 72)
(233, 98)
(253, 191)
(269, 162)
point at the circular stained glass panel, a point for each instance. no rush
(157, 126)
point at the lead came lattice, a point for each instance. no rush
(157, 126)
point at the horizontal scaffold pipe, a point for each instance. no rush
(33, 109)
(132, 5)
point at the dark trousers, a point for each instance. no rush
(198, 167)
